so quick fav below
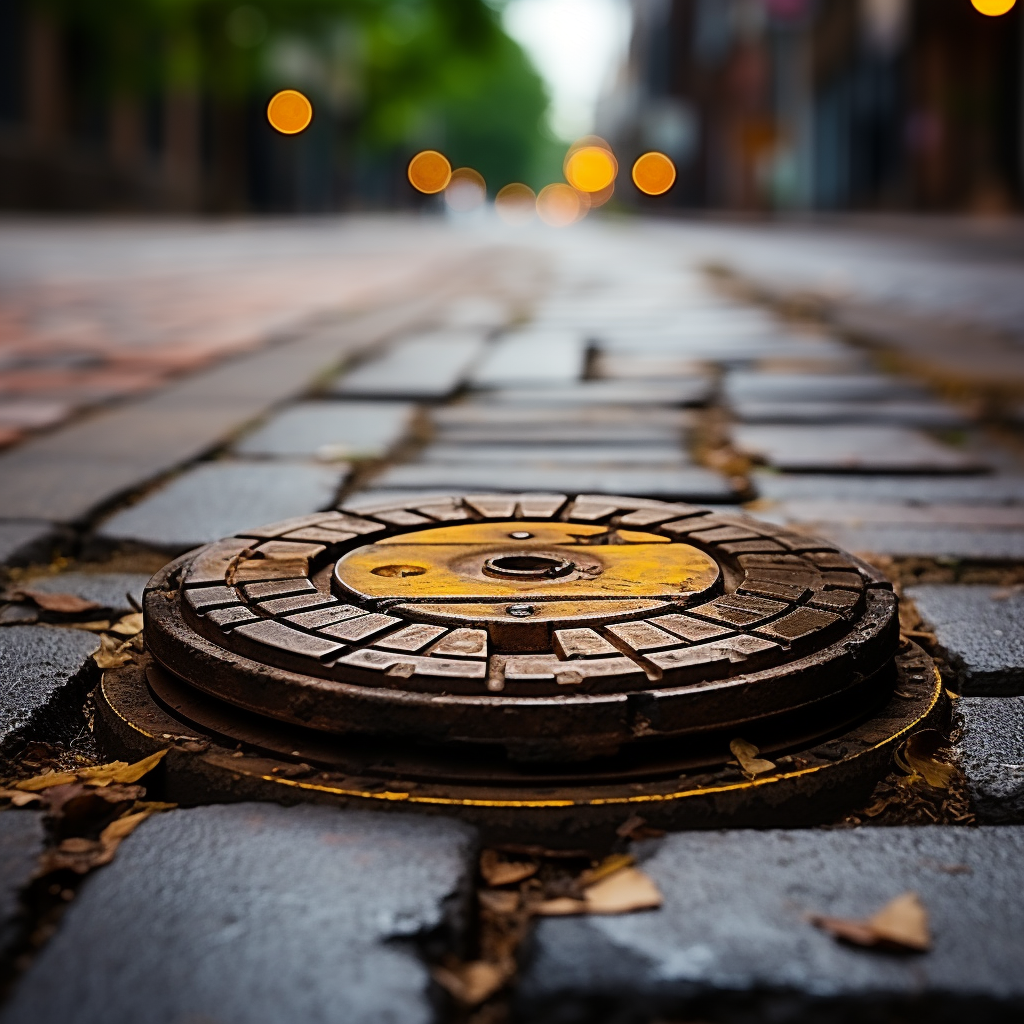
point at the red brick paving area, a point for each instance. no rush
(73, 336)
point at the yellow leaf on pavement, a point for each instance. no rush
(750, 764)
(901, 924)
(622, 893)
(128, 625)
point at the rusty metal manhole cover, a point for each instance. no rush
(529, 661)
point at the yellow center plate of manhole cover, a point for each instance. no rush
(521, 561)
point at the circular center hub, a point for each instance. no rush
(527, 567)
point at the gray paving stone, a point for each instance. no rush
(981, 632)
(663, 455)
(21, 841)
(734, 928)
(45, 672)
(694, 391)
(990, 749)
(216, 499)
(940, 542)
(108, 590)
(989, 490)
(532, 357)
(25, 541)
(928, 414)
(256, 914)
(691, 484)
(726, 351)
(747, 385)
(851, 449)
(64, 476)
(427, 366)
(330, 430)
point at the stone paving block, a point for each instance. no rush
(733, 931)
(108, 590)
(995, 489)
(26, 541)
(941, 542)
(985, 532)
(216, 499)
(981, 632)
(692, 484)
(66, 475)
(330, 431)
(22, 834)
(990, 749)
(256, 914)
(928, 414)
(852, 449)
(726, 351)
(532, 357)
(747, 385)
(45, 672)
(693, 391)
(665, 456)
(612, 366)
(426, 366)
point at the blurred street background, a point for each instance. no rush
(764, 105)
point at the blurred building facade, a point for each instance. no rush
(160, 104)
(827, 104)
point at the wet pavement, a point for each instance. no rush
(196, 381)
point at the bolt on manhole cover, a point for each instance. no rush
(536, 663)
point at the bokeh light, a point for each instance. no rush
(516, 203)
(430, 172)
(466, 190)
(654, 173)
(560, 205)
(993, 8)
(590, 165)
(289, 112)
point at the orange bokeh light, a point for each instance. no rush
(516, 203)
(466, 190)
(654, 173)
(289, 112)
(993, 8)
(560, 205)
(590, 168)
(429, 172)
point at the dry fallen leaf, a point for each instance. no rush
(920, 759)
(128, 625)
(19, 799)
(498, 901)
(901, 924)
(82, 855)
(98, 775)
(111, 653)
(67, 604)
(497, 872)
(99, 626)
(623, 891)
(746, 755)
(473, 983)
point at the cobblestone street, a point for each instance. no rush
(856, 385)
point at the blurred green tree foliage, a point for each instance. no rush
(394, 75)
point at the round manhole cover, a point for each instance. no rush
(521, 658)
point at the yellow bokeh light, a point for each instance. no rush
(289, 112)
(654, 173)
(466, 190)
(516, 203)
(993, 8)
(560, 205)
(590, 169)
(430, 172)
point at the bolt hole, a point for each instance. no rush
(525, 563)
(399, 570)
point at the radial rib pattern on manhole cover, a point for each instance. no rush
(526, 660)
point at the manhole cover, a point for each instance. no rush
(529, 661)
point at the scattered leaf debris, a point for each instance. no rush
(64, 604)
(112, 653)
(924, 759)
(901, 925)
(497, 871)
